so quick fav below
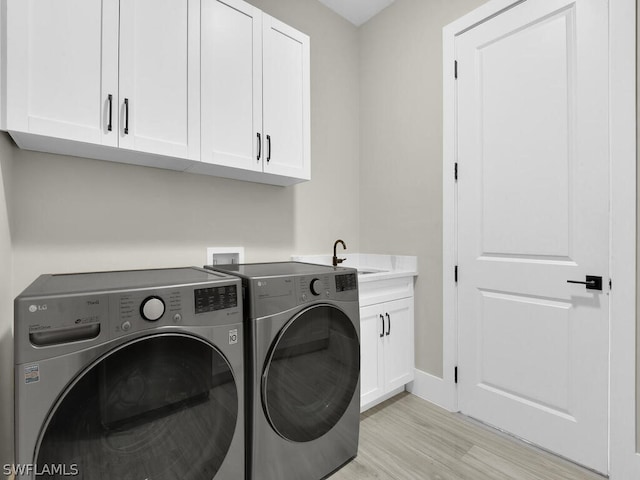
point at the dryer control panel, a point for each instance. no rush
(346, 282)
(277, 294)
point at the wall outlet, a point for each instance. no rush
(224, 255)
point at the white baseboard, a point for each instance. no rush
(432, 389)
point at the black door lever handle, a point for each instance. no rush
(592, 282)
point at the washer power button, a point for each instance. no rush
(126, 326)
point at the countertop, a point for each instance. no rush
(371, 267)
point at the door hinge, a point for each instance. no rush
(455, 273)
(455, 374)
(455, 172)
(610, 284)
(455, 69)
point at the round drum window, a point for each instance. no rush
(311, 373)
(160, 408)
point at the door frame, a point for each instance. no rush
(624, 461)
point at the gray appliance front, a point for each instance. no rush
(153, 400)
(306, 391)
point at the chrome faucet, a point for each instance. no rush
(337, 260)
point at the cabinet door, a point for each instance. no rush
(231, 52)
(155, 105)
(398, 343)
(371, 355)
(61, 67)
(286, 100)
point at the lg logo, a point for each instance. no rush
(37, 308)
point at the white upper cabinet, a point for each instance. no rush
(62, 67)
(255, 95)
(231, 52)
(155, 72)
(209, 86)
(286, 100)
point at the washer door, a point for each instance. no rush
(311, 373)
(161, 407)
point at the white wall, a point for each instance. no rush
(71, 214)
(401, 150)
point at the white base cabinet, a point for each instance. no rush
(386, 347)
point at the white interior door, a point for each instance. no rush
(533, 212)
(232, 84)
(156, 114)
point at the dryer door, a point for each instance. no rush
(311, 373)
(161, 407)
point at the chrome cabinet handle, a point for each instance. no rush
(388, 324)
(382, 334)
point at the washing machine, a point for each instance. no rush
(303, 363)
(131, 375)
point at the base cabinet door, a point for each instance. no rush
(398, 339)
(371, 356)
(62, 71)
(387, 349)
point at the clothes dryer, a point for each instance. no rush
(130, 375)
(303, 327)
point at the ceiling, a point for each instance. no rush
(357, 11)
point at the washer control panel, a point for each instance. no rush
(148, 306)
(58, 314)
(211, 304)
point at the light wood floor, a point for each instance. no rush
(408, 438)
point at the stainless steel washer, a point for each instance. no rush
(304, 368)
(130, 375)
